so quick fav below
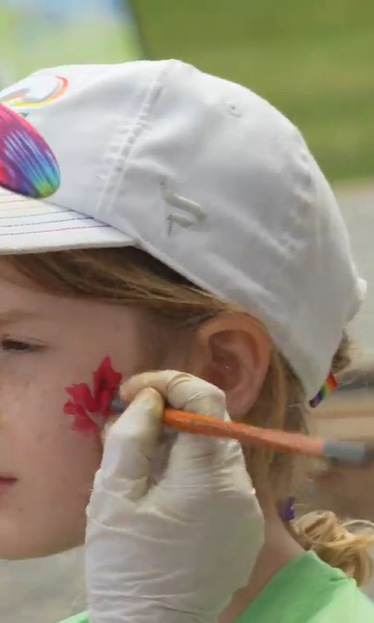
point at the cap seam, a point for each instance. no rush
(124, 142)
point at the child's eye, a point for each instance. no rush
(17, 346)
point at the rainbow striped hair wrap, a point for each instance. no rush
(27, 164)
(328, 387)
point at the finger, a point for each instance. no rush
(187, 392)
(194, 459)
(131, 444)
(181, 390)
(107, 426)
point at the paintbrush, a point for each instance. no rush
(355, 453)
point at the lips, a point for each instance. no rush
(7, 480)
(6, 485)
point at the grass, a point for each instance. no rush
(313, 60)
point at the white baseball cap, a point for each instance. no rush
(205, 176)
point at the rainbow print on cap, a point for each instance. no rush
(27, 164)
(328, 387)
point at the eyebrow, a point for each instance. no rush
(13, 316)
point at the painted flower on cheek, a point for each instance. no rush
(90, 406)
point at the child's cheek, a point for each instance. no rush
(89, 405)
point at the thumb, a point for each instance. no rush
(130, 445)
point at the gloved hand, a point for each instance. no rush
(176, 550)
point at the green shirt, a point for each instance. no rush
(78, 618)
(306, 590)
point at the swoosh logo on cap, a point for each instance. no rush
(33, 92)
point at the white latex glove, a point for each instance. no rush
(177, 550)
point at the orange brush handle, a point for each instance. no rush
(296, 443)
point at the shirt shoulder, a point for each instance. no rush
(307, 590)
(345, 607)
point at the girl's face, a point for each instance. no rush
(46, 468)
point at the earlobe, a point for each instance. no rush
(233, 351)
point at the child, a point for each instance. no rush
(192, 231)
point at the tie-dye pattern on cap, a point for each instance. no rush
(27, 165)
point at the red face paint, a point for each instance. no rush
(90, 406)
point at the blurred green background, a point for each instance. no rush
(32, 37)
(312, 59)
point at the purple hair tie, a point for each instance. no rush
(287, 513)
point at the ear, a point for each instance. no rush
(232, 351)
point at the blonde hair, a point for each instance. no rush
(337, 543)
(133, 278)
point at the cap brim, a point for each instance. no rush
(32, 226)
